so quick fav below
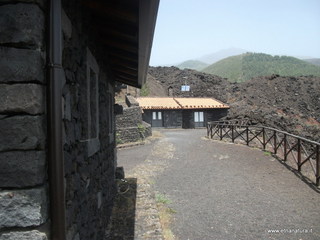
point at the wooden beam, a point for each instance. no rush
(124, 75)
(125, 80)
(120, 45)
(113, 10)
(115, 33)
(125, 63)
(122, 69)
(120, 54)
(104, 24)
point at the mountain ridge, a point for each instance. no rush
(243, 67)
(193, 64)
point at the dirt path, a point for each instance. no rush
(226, 191)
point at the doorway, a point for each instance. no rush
(157, 119)
(198, 119)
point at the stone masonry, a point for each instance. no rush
(129, 125)
(88, 124)
(89, 145)
(23, 179)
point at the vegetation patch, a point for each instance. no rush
(118, 139)
(144, 91)
(165, 214)
(269, 154)
(160, 198)
(243, 67)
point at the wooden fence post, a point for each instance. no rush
(299, 155)
(317, 165)
(263, 138)
(232, 133)
(285, 147)
(275, 142)
(247, 135)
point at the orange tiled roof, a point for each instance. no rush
(192, 103)
(179, 103)
(158, 103)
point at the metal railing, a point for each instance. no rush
(293, 150)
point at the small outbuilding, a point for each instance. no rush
(170, 112)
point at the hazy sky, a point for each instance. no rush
(188, 29)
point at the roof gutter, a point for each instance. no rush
(148, 10)
(55, 148)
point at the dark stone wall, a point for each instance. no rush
(147, 116)
(209, 115)
(185, 118)
(172, 118)
(129, 125)
(133, 134)
(88, 125)
(23, 139)
(215, 115)
(89, 132)
(131, 117)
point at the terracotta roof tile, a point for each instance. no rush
(196, 103)
(158, 103)
(179, 103)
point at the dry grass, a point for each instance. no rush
(156, 134)
(165, 214)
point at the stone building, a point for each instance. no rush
(59, 61)
(178, 112)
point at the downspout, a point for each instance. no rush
(55, 148)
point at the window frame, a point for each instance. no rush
(92, 74)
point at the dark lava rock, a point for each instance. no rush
(288, 103)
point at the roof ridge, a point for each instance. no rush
(177, 102)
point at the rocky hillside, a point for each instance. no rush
(161, 79)
(288, 103)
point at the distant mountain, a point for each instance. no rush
(243, 67)
(193, 64)
(217, 56)
(315, 61)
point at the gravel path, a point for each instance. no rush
(226, 191)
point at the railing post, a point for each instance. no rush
(247, 135)
(212, 131)
(263, 138)
(232, 133)
(275, 141)
(285, 147)
(299, 155)
(318, 165)
(220, 132)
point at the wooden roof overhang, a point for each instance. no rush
(125, 29)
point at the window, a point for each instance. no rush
(157, 119)
(156, 115)
(185, 88)
(110, 116)
(198, 117)
(92, 122)
(90, 111)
